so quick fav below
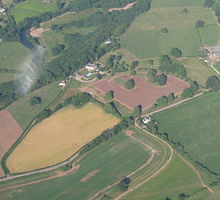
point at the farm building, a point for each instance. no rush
(146, 119)
(213, 50)
(108, 41)
(91, 67)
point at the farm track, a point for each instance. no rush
(162, 163)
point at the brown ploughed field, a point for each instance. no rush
(10, 131)
(144, 93)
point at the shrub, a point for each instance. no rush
(81, 99)
(200, 24)
(129, 84)
(124, 184)
(109, 95)
(213, 82)
(164, 30)
(161, 79)
(176, 52)
(35, 100)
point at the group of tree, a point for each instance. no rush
(171, 66)
(191, 91)
(115, 64)
(160, 79)
(213, 82)
(57, 49)
(164, 100)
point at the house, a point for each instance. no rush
(2, 10)
(146, 119)
(91, 67)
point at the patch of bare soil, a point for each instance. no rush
(37, 32)
(130, 5)
(89, 175)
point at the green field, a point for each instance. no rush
(198, 70)
(12, 55)
(31, 8)
(24, 113)
(195, 125)
(113, 160)
(175, 179)
(181, 29)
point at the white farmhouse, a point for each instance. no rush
(91, 67)
(146, 119)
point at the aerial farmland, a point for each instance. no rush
(109, 100)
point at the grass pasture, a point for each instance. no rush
(175, 179)
(31, 8)
(198, 70)
(195, 125)
(114, 159)
(22, 110)
(181, 29)
(12, 54)
(58, 137)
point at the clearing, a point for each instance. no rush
(195, 128)
(144, 93)
(58, 137)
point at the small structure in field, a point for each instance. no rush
(146, 119)
(62, 83)
(91, 67)
(2, 10)
(108, 41)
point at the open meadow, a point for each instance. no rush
(198, 70)
(181, 29)
(12, 55)
(110, 162)
(31, 8)
(57, 138)
(195, 124)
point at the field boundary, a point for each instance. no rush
(26, 131)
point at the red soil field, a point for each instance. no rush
(10, 131)
(144, 93)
